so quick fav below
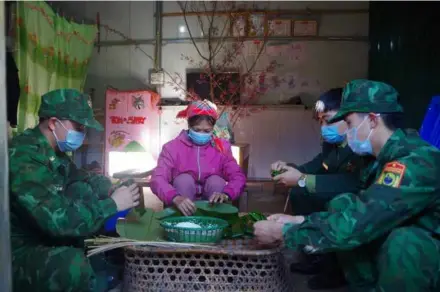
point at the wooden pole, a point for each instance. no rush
(5, 243)
(271, 12)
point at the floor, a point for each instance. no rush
(300, 281)
(264, 198)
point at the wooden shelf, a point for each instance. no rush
(271, 12)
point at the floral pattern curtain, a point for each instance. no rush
(52, 53)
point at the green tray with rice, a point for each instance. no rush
(194, 229)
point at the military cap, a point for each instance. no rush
(330, 100)
(367, 96)
(69, 104)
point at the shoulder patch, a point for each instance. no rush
(392, 174)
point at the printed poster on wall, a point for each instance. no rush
(132, 121)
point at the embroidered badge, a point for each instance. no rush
(319, 106)
(392, 174)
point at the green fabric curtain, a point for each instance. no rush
(52, 53)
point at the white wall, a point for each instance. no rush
(287, 134)
(326, 64)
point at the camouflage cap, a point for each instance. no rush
(69, 104)
(367, 96)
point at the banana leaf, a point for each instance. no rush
(143, 227)
(222, 208)
(249, 220)
(140, 208)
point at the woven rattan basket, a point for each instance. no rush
(236, 265)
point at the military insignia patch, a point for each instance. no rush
(319, 106)
(392, 174)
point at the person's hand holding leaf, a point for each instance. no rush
(218, 198)
(289, 177)
(185, 205)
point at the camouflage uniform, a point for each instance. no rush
(54, 205)
(333, 171)
(387, 236)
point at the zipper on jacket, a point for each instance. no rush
(198, 166)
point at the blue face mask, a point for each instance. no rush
(199, 138)
(359, 147)
(74, 140)
(331, 135)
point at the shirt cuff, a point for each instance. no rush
(108, 207)
(311, 183)
(227, 194)
(286, 228)
(170, 197)
(290, 236)
(227, 191)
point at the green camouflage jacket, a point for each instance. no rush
(51, 200)
(405, 191)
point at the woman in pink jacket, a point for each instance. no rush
(196, 164)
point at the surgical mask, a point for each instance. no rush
(331, 135)
(359, 147)
(73, 141)
(199, 138)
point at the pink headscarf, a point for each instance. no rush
(203, 108)
(196, 108)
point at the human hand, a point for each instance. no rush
(268, 232)
(290, 177)
(185, 205)
(218, 198)
(283, 218)
(278, 165)
(120, 182)
(126, 197)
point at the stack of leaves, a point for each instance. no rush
(141, 225)
(140, 208)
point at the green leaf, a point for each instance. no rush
(168, 212)
(144, 227)
(221, 208)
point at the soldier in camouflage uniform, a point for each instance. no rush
(334, 171)
(387, 236)
(54, 205)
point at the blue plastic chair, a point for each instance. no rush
(430, 130)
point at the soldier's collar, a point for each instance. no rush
(391, 150)
(49, 154)
(343, 144)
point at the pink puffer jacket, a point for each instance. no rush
(180, 155)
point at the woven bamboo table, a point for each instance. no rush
(234, 265)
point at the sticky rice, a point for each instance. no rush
(188, 225)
